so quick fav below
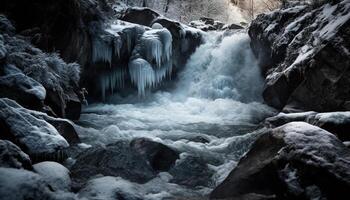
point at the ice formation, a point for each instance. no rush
(151, 61)
(112, 80)
(144, 76)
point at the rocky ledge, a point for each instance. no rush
(304, 52)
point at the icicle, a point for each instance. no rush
(156, 46)
(102, 49)
(144, 76)
(112, 80)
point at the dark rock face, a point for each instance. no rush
(295, 161)
(160, 157)
(12, 156)
(138, 161)
(304, 53)
(191, 171)
(142, 16)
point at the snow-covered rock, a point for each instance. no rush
(295, 161)
(34, 135)
(12, 156)
(25, 90)
(337, 123)
(21, 184)
(37, 76)
(304, 52)
(55, 174)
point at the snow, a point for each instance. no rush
(21, 185)
(321, 147)
(35, 134)
(333, 117)
(15, 78)
(55, 174)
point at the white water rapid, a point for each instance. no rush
(212, 114)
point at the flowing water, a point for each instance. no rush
(212, 113)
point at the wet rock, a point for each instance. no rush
(191, 171)
(35, 136)
(12, 156)
(117, 159)
(295, 161)
(142, 16)
(160, 157)
(303, 51)
(22, 185)
(55, 174)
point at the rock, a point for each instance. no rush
(232, 27)
(117, 159)
(55, 174)
(21, 88)
(207, 24)
(160, 157)
(142, 16)
(21, 185)
(337, 123)
(191, 171)
(73, 106)
(12, 156)
(303, 51)
(35, 136)
(111, 188)
(6, 26)
(284, 118)
(295, 161)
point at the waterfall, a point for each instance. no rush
(210, 116)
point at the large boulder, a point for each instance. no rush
(12, 156)
(303, 51)
(160, 157)
(142, 16)
(295, 161)
(35, 136)
(138, 161)
(192, 171)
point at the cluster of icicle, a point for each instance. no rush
(150, 61)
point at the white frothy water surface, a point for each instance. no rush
(217, 98)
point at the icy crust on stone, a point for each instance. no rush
(121, 44)
(35, 134)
